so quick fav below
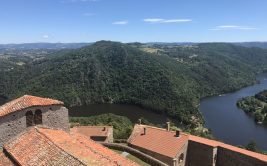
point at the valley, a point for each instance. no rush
(167, 79)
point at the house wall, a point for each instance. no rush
(110, 135)
(227, 157)
(183, 151)
(200, 154)
(168, 160)
(55, 116)
(158, 156)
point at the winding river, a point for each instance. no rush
(226, 121)
(230, 124)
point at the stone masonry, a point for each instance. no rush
(54, 116)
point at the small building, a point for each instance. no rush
(96, 133)
(27, 111)
(35, 131)
(181, 149)
(167, 146)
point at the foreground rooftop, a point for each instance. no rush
(44, 146)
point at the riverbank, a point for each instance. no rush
(230, 124)
(255, 106)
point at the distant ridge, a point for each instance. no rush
(41, 45)
(253, 44)
(27, 46)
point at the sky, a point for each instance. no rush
(26, 21)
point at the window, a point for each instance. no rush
(181, 158)
(29, 118)
(38, 117)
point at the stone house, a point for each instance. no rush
(176, 148)
(35, 131)
(167, 146)
(26, 111)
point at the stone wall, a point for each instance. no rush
(168, 160)
(199, 154)
(110, 138)
(11, 125)
(227, 157)
(143, 156)
(180, 159)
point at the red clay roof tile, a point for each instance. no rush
(158, 140)
(161, 141)
(32, 148)
(25, 102)
(4, 160)
(43, 146)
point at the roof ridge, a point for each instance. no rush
(82, 162)
(26, 101)
(162, 129)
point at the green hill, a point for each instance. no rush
(256, 106)
(169, 79)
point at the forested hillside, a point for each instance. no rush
(163, 78)
(256, 106)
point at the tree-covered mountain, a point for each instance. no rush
(163, 78)
(256, 106)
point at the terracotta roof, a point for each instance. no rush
(33, 148)
(163, 142)
(227, 146)
(43, 146)
(157, 140)
(89, 131)
(4, 160)
(25, 102)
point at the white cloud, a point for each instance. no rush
(177, 20)
(228, 26)
(161, 20)
(232, 27)
(45, 36)
(124, 22)
(153, 20)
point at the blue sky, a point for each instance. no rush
(23, 21)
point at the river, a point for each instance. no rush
(227, 123)
(230, 124)
(130, 111)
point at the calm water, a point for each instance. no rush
(230, 124)
(132, 112)
(2, 100)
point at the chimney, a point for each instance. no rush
(140, 121)
(104, 129)
(168, 126)
(177, 134)
(144, 131)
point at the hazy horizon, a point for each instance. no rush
(130, 42)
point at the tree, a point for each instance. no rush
(252, 146)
